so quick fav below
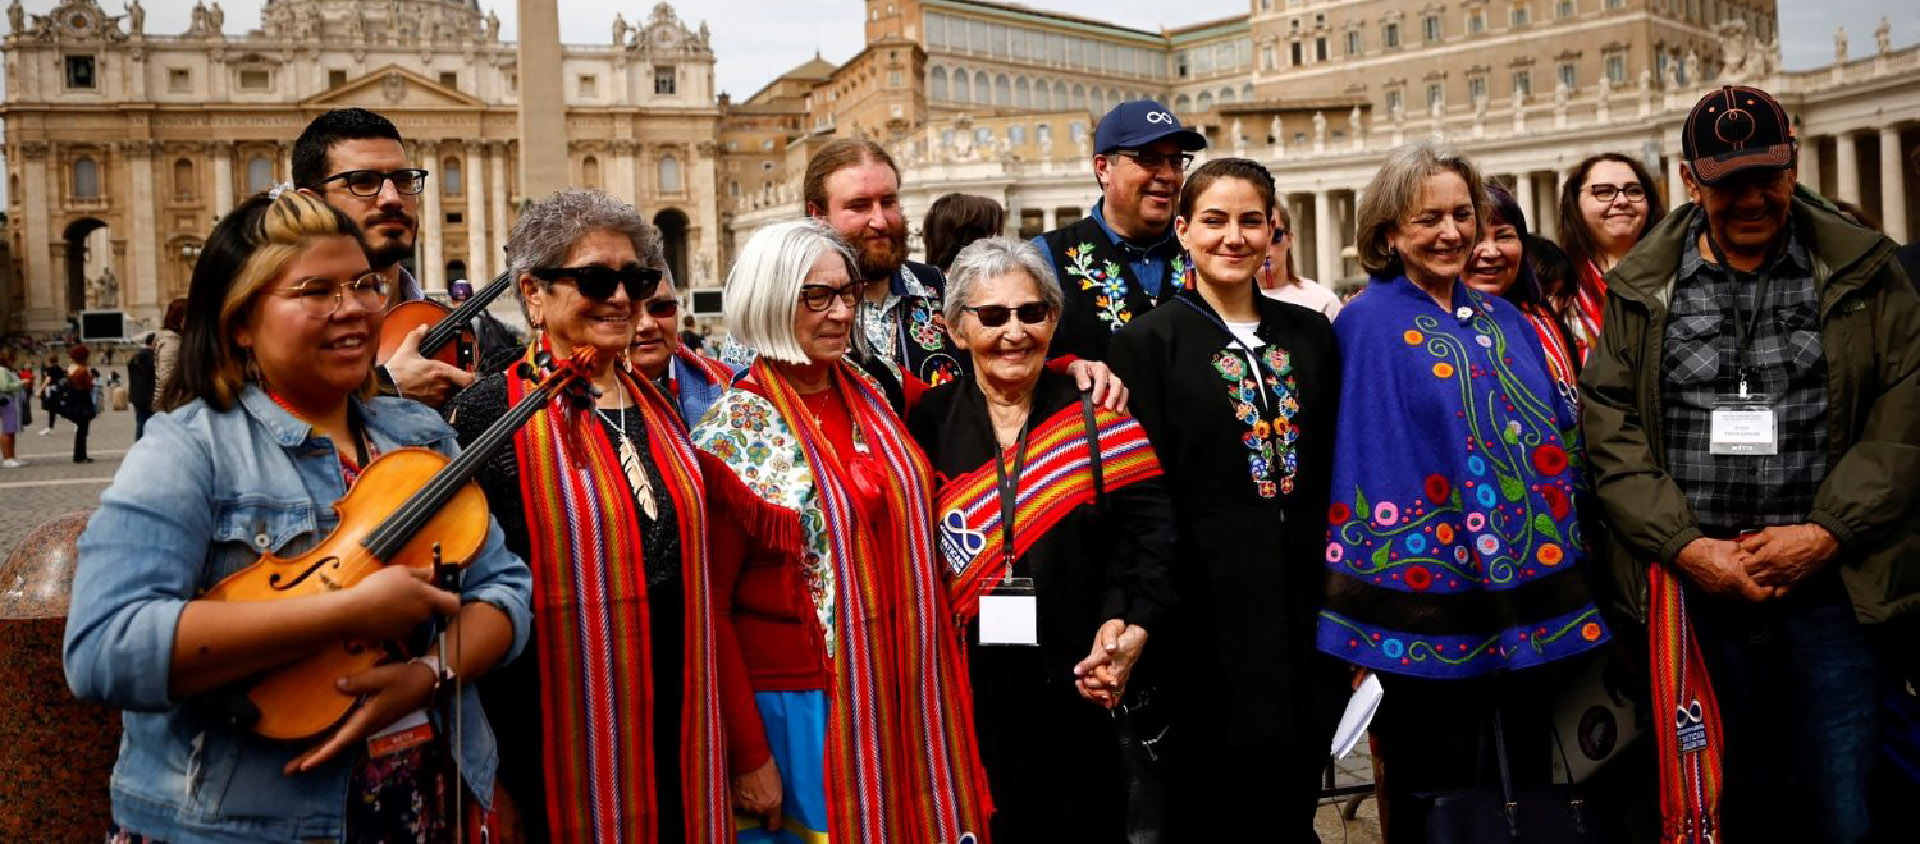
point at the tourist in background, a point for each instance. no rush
(80, 401)
(955, 220)
(13, 400)
(1453, 540)
(1237, 392)
(1501, 266)
(1606, 206)
(166, 348)
(1279, 280)
(140, 385)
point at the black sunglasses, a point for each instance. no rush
(367, 183)
(597, 282)
(994, 316)
(662, 307)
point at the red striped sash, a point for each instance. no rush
(1690, 740)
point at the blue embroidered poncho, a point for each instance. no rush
(1453, 546)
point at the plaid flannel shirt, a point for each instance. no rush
(1701, 364)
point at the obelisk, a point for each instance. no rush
(543, 110)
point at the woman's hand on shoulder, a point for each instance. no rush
(1108, 390)
(387, 692)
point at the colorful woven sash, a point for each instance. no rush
(1058, 478)
(1589, 302)
(591, 618)
(1690, 743)
(902, 764)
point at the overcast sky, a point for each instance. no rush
(756, 40)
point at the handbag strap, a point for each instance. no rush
(1092, 427)
(1509, 804)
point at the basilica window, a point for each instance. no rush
(1320, 49)
(449, 177)
(937, 84)
(336, 78)
(256, 80)
(259, 174)
(665, 81)
(1391, 33)
(1563, 9)
(1617, 68)
(179, 80)
(1430, 28)
(183, 180)
(86, 179)
(1353, 42)
(80, 73)
(590, 172)
(1520, 15)
(1569, 76)
(450, 79)
(670, 174)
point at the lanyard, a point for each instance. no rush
(1009, 492)
(1744, 327)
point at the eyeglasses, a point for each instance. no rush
(597, 282)
(366, 184)
(994, 316)
(1605, 193)
(1152, 160)
(819, 297)
(662, 307)
(322, 299)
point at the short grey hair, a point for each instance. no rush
(763, 288)
(1394, 191)
(991, 257)
(549, 228)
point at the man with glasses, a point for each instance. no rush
(355, 160)
(1122, 260)
(692, 380)
(1750, 416)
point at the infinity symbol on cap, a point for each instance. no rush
(1159, 117)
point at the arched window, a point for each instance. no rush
(183, 180)
(1226, 96)
(962, 86)
(1003, 91)
(1060, 95)
(1042, 95)
(1099, 102)
(450, 177)
(1205, 102)
(1079, 96)
(1246, 93)
(86, 179)
(1182, 103)
(1022, 93)
(937, 84)
(1113, 96)
(590, 172)
(982, 88)
(670, 173)
(259, 174)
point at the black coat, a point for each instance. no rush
(1249, 570)
(140, 378)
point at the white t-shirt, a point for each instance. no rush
(1244, 331)
(1308, 294)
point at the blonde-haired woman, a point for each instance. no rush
(273, 416)
(837, 619)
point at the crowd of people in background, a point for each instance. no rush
(1085, 537)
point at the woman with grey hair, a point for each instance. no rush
(1047, 497)
(837, 620)
(1454, 552)
(617, 694)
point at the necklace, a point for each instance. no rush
(630, 461)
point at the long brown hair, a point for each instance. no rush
(1574, 236)
(957, 219)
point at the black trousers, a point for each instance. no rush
(80, 438)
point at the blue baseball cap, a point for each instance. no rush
(1137, 123)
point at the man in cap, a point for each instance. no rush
(1752, 417)
(1122, 260)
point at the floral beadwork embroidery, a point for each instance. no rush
(1269, 439)
(923, 326)
(1106, 279)
(1177, 270)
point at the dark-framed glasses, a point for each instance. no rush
(321, 298)
(662, 308)
(1603, 192)
(1153, 160)
(366, 184)
(994, 316)
(597, 282)
(819, 297)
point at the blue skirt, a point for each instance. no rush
(796, 725)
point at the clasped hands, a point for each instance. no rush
(1759, 566)
(1102, 676)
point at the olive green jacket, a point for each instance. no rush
(1870, 326)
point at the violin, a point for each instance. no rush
(450, 340)
(410, 507)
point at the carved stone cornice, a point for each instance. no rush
(35, 150)
(140, 148)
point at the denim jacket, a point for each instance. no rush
(201, 496)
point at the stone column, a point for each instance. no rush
(1808, 162)
(1846, 168)
(1676, 187)
(432, 265)
(140, 288)
(46, 309)
(477, 240)
(1893, 185)
(222, 154)
(1049, 218)
(1326, 241)
(621, 168)
(502, 224)
(1523, 193)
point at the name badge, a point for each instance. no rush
(411, 730)
(1010, 614)
(1743, 426)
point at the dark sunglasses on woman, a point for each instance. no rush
(994, 316)
(596, 282)
(662, 307)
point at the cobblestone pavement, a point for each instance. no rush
(51, 484)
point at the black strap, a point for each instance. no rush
(1743, 326)
(1093, 451)
(1009, 488)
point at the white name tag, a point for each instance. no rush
(1010, 614)
(1743, 426)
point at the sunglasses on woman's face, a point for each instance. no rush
(661, 308)
(597, 282)
(994, 316)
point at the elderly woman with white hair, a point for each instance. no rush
(1052, 515)
(836, 619)
(616, 698)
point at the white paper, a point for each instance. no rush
(1009, 620)
(1359, 714)
(1743, 432)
